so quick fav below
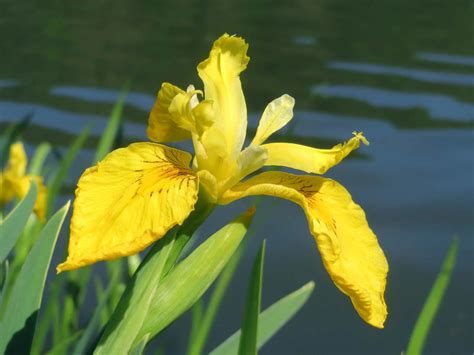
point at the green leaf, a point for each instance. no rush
(124, 325)
(54, 187)
(38, 159)
(140, 347)
(248, 338)
(4, 278)
(271, 320)
(108, 136)
(202, 326)
(63, 346)
(432, 303)
(94, 323)
(18, 321)
(188, 281)
(12, 226)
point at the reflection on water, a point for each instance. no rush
(438, 106)
(369, 66)
(445, 58)
(416, 74)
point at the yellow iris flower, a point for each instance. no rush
(136, 194)
(15, 183)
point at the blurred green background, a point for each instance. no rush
(400, 71)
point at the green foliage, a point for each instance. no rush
(38, 159)
(108, 136)
(124, 325)
(271, 320)
(57, 181)
(433, 302)
(188, 281)
(20, 309)
(248, 338)
(202, 322)
(12, 226)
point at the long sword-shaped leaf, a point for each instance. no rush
(19, 319)
(188, 281)
(12, 226)
(94, 323)
(432, 303)
(54, 186)
(125, 323)
(38, 158)
(248, 338)
(108, 136)
(271, 320)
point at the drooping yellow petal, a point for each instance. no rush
(17, 160)
(349, 249)
(310, 160)
(161, 126)
(220, 74)
(276, 115)
(128, 201)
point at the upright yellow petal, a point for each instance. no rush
(348, 247)
(276, 115)
(161, 126)
(17, 160)
(220, 74)
(128, 201)
(310, 160)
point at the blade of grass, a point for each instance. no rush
(196, 321)
(54, 187)
(93, 326)
(12, 226)
(108, 136)
(19, 319)
(63, 346)
(432, 303)
(248, 338)
(271, 320)
(202, 325)
(38, 159)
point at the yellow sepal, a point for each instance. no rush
(348, 247)
(128, 201)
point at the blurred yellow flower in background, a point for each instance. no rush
(14, 182)
(136, 194)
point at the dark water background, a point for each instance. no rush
(401, 71)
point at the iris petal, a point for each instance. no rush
(308, 159)
(348, 247)
(220, 74)
(128, 201)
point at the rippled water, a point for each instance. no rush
(402, 72)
